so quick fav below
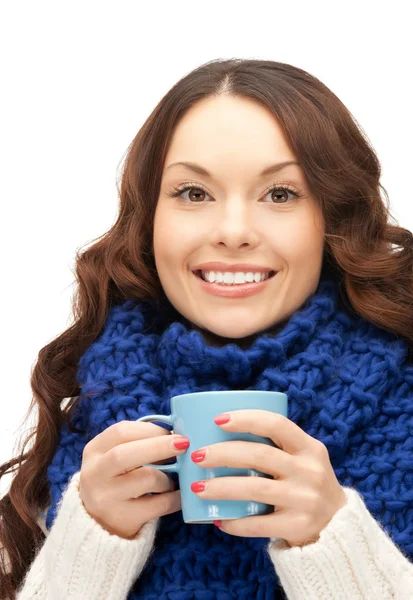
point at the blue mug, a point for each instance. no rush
(193, 417)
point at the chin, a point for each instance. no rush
(223, 338)
(242, 338)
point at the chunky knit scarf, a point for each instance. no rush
(349, 384)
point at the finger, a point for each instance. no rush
(131, 455)
(253, 489)
(247, 455)
(277, 525)
(282, 431)
(144, 480)
(154, 506)
(123, 432)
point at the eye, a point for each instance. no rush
(195, 198)
(197, 195)
(282, 193)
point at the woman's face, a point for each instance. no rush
(232, 216)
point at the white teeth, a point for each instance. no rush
(228, 278)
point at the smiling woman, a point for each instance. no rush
(252, 251)
(240, 208)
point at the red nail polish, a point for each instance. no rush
(218, 523)
(222, 419)
(198, 486)
(181, 444)
(198, 456)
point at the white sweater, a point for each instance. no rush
(353, 559)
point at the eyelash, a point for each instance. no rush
(177, 191)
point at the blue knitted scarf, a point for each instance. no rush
(349, 384)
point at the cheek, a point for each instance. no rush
(162, 242)
(301, 240)
(308, 245)
(173, 240)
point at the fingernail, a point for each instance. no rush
(221, 419)
(218, 523)
(198, 486)
(198, 456)
(181, 444)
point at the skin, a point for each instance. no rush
(237, 219)
(304, 491)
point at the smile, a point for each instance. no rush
(234, 290)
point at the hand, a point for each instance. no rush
(114, 486)
(304, 490)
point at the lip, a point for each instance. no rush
(225, 268)
(234, 291)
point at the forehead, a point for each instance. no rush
(228, 131)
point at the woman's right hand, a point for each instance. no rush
(114, 484)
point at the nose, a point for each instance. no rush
(234, 226)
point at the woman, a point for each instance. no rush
(254, 168)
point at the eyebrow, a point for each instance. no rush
(202, 171)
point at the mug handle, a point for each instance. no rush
(163, 419)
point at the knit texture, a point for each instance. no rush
(349, 385)
(354, 559)
(81, 560)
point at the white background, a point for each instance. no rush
(78, 79)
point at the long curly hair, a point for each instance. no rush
(370, 257)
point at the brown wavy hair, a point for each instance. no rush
(370, 257)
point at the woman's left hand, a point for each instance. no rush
(304, 490)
